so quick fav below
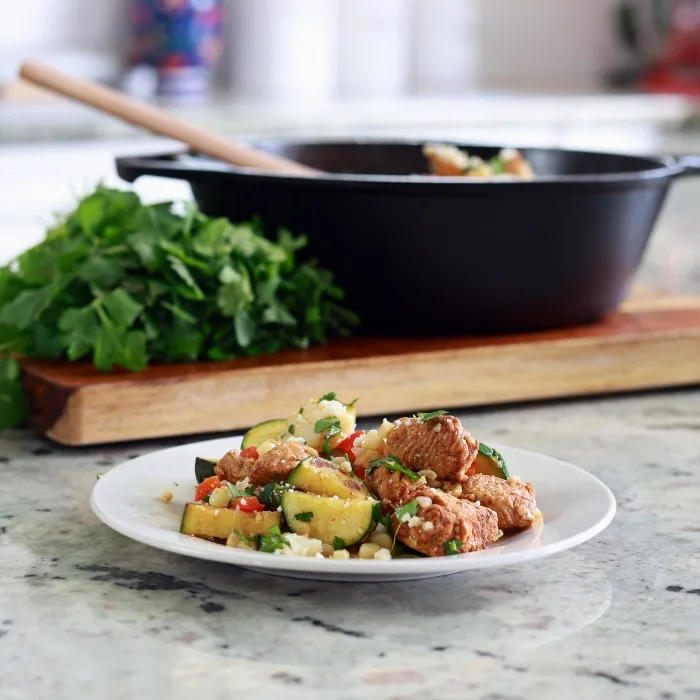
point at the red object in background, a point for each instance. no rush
(678, 68)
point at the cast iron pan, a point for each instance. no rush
(421, 255)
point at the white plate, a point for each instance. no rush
(575, 505)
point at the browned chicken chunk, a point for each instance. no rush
(440, 444)
(275, 465)
(278, 463)
(390, 487)
(441, 518)
(512, 500)
(232, 467)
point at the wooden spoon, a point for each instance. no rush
(156, 120)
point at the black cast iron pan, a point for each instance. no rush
(423, 255)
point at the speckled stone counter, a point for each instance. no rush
(85, 612)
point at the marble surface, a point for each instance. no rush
(86, 612)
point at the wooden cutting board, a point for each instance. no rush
(652, 342)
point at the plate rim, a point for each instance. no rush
(209, 551)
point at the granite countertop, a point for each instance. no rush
(85, 612)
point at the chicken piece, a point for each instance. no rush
(440, 444)
(441, 518)
(274, 465)
(278, 463)
(516, 165)
(446, 161)
(512, 500)
(232, 467)
(391, 487)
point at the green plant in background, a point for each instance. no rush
(126, 284)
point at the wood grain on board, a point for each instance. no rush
(652, 342)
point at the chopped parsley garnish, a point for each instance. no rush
(304, 517)
(338, 543)
(101, 474)
(330, 396)
(498, 165)
(301, 410)
(270, 493)
(332, 427)
(290, 429)
(206, 498)
(410, 509)
(273, 540)
(245, 538)
(425, 417)
(453, 546)
(250, 490)
(394, 463)
(381, 519)
(236, 492)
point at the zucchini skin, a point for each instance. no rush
(267, 430)
(317, 475)
(204, 468)
(331, 518)
(202, 520)
(491, 462)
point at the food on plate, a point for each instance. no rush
(123, 284)
(314, 485)
(435, 440)
(512, 500)
(450, 161)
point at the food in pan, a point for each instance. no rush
(450, 161)
(313, 485)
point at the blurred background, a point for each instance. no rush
(597, 74)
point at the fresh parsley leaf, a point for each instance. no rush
(236, 492)
(377, 511)
(425, 417)
(206, 498)
(271, 493)
(330, 396)
(332, 427)
(290, 429)
(12, 399)
(304, 517)
(394, 463)
(273, 540)
(245, 538)
(251, 490)
(126, 284)
(338, 543)
(453, 547)
(410, 509)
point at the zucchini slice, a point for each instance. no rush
(202, 520)
(319, 476)
(268, 430)
(204, 468)
(491, 462)
(328, 519)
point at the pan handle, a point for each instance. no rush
(690, 165)
(176, 167)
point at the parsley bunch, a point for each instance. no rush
(125, 284)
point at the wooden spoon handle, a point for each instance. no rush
(157, 121)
